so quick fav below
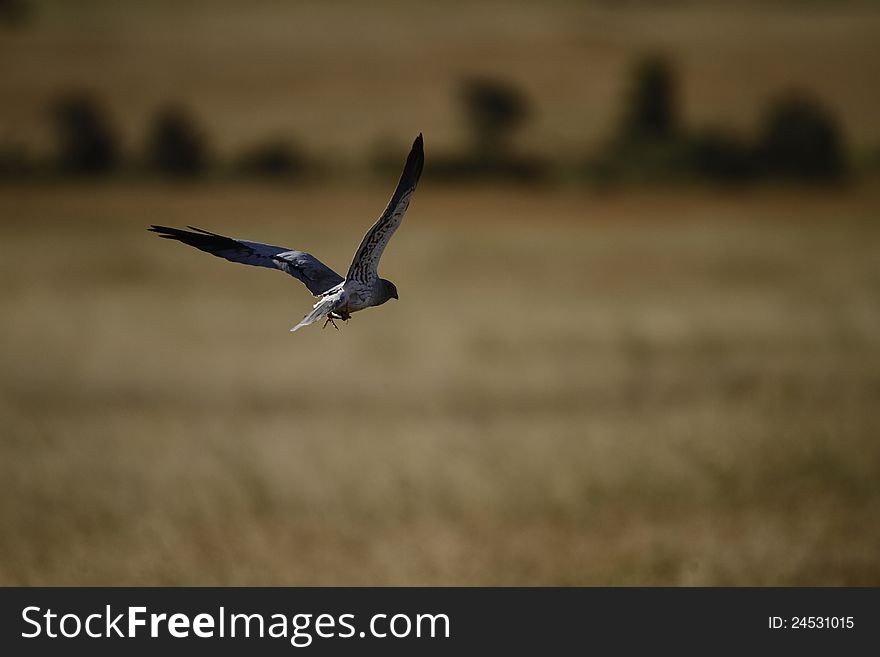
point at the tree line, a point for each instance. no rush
(798, 139)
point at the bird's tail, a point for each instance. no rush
(323, 308)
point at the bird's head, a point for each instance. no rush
(389, 291)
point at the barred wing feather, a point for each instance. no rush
(365, 264)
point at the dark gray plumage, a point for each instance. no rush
(305, 267)
(362, 288)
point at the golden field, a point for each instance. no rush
(643, 388)
(647, 386)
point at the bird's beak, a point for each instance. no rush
(395, 297)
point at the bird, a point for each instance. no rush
(338, 297)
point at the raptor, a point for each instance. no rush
(338, 297)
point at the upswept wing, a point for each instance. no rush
(305, 267)
(366, 260)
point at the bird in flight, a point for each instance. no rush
(338, 297)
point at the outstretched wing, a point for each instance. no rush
(305, 267)
(366, 259)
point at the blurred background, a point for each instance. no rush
(638, 340)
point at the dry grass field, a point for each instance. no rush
(650, 388)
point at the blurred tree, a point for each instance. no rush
(274, 158)
(15, 161)
(86, 143)
(801, 139)
(869, 160)
(175, 145)
(649, 145)
(717, 154)
(493, 109)
(15, 12)
(651, 112)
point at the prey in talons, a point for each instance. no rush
(344, 316)
(338, 296)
